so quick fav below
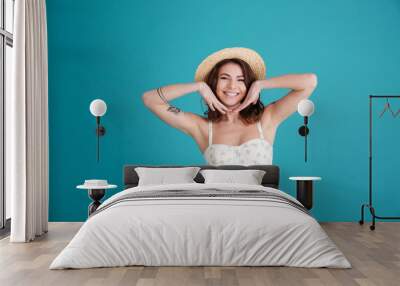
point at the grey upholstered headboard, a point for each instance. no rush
(271, 177)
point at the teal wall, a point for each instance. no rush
(116, 50)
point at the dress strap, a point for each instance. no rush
(209, 132)
(260, 130)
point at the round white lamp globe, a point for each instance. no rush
(98, 107)
(305, 107)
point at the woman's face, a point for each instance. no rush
(231, 88)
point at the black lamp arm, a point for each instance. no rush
(100, 130)
(303, 131)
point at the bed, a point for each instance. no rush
(201, 224)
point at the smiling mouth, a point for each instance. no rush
(231, 94)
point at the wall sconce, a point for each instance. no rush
(98, 108)
(305, 108)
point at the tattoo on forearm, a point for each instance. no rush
(174, 109)
(171, 108)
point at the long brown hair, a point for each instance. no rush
(251, 113)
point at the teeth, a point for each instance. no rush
(231, 93)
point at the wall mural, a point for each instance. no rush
(237, 128)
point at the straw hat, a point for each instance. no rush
(251, 57)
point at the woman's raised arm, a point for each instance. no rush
(185, 121)
(302, 86)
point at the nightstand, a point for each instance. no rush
(305, 190)
(96, 191)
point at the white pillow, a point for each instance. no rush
(249, 177)
(164, 176)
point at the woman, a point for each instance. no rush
(238, 129)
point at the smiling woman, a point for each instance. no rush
(230, 82)
(230, 79)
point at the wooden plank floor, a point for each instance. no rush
(374, 255)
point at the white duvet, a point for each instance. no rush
(200, 231)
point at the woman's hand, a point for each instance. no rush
(210, 98)
(252, 96)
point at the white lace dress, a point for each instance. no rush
(257, 151)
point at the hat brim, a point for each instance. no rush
(251, 57)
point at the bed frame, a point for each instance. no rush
(270, 179)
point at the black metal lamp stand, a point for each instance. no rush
(303, 131)
(100, 131)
